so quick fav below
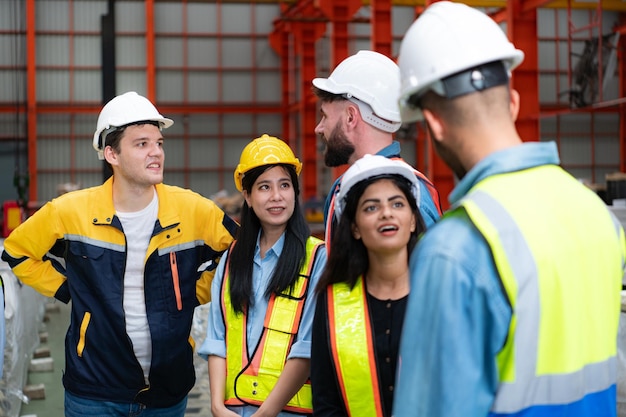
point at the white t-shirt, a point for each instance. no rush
(138, 227)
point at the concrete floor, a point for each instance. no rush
(55, 326)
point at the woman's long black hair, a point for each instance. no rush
(349, 262)
(242, 253)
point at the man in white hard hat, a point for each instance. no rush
(135, 257)
(515, 293)
(359, 115)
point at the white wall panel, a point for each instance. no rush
(202, 87)
(130, 16)
(264, 16)
(53, 86)
(87, 14)
(219, 54)
(237, 53)
(268, 87)
(201, 18)
(237, 87)
(206, 153)
(202, 52)
(128, 80)
(235, 18)
(52, 15)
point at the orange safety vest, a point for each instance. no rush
(352, 347)
(249, 381)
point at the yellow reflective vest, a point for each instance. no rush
(249, 380)
(561, 348)
(352, 347)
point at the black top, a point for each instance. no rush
(386, 318)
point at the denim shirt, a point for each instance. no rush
(459, 313)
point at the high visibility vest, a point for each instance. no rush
(352, 346)
(562, 275)
(250, 380)
(330, 218)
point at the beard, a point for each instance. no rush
(338, 148)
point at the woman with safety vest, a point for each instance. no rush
(364, 288)
(259, 329)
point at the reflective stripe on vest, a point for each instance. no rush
(251, 381)
(352, 346)
(558, 350)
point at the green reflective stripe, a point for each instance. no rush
(234, 326)
(353, 349)
(523, 384)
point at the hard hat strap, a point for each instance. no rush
(474, 79)
(468, 81)
(372, 118)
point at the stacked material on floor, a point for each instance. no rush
(23, 315)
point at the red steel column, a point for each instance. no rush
(31, 98)
(279, 41)
(340, 13)
(150, 61)
(522, 31)
(306, 24)
(381, 27)
(305, 44)
(437, 170)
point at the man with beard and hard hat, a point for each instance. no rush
(515, 292)
(359, 115)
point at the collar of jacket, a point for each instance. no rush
(103, 212)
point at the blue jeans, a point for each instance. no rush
(83, 407)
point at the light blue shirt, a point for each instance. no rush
(215, 344)
(458, 313)
(427, 206)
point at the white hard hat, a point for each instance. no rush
(123, 110)
(370, 166)
(447, 39)
(372, 81)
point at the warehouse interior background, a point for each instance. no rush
(227, 72)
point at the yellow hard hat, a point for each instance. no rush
(266, 150)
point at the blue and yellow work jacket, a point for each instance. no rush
(74, 248)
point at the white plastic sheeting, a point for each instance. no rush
(23, 316)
